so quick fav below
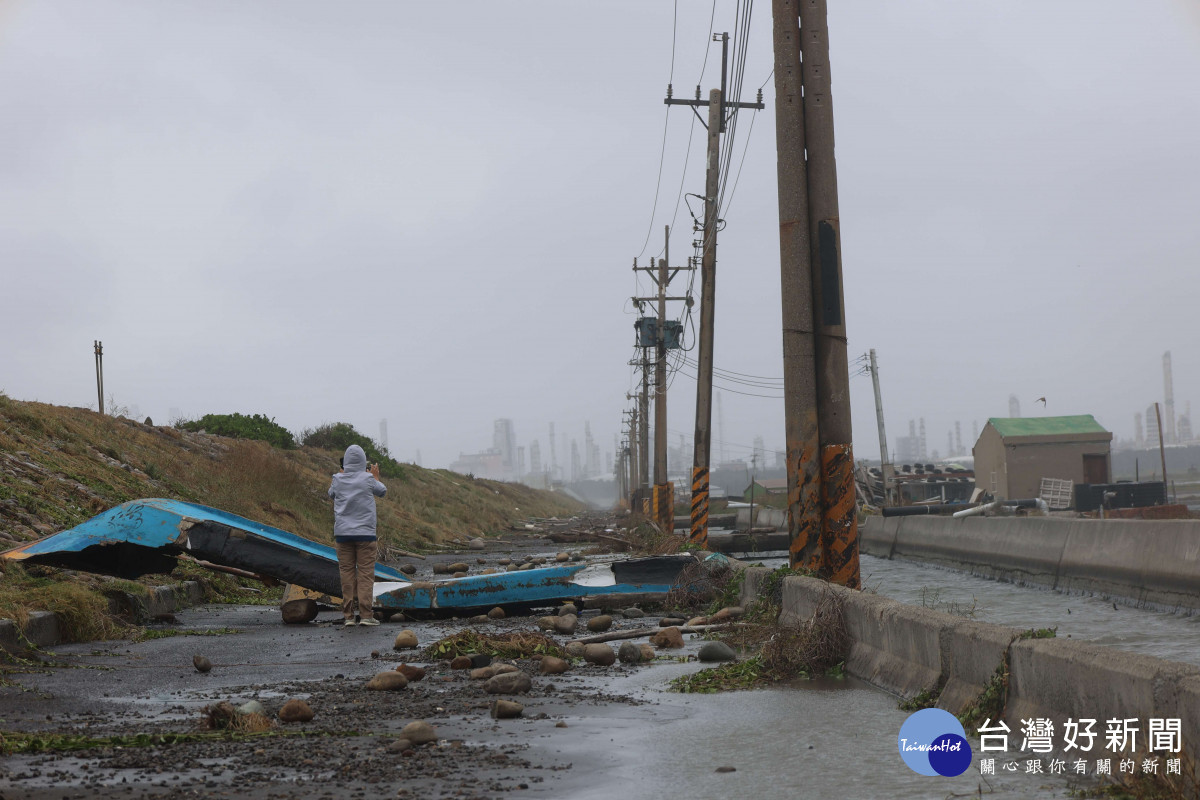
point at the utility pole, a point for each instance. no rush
(98, 349)
(804, 114)
(644, 432)
(717, 104)
(662, 335)
(885, 464)
(635, 480)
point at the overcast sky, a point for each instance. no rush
(427, 212)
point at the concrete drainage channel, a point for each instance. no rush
(908, 651)
(42, 630)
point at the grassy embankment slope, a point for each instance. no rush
(60, 466)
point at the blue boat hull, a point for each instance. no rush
(146, 536)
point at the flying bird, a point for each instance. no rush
(1041, 400)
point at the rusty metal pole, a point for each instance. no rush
(799, 363)
(704, 370)
(839, 526)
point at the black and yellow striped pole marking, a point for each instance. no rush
(664, 506)
(839, 529)
(804, 505)
(699, 534)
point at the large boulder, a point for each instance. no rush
(298, 612)
(419, 732)
(716, 651)
(565, 624)
(296, 710)
(600, 623)
(508, 683)
(667, 637)
(552, 665)
(390, 681)
(405, 640)
(599, 654)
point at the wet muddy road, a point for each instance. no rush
(594, 732)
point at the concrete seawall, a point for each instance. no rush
(1141, 562)
(908, 650)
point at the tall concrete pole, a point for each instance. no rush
(885, 464)
(664, 493)
(708, 282)
(635, 480)
(799, 361)
(644, 430)
(839, 529)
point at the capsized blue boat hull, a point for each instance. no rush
(535, 586)
(145, 536)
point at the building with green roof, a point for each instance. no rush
(1014, 454)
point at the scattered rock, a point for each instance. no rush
(726, 769)
(410, 672)
(565, 623)
(479, 619)
(296, 710)
(667, 637)
(252, 707)
(419, 732)
(511, 568)
(546, 623)
(574, 649)
(476, 544)
(408, 569)
(500, 669)
(504, 562)
(552, 665)
(298, 612)
(441, 569)
(481, 673)
(405, 640)
(506, 709)
(671, 622)
(508, 683)
(562, 557)
(461, 662)
(496, 613)
(648, 653)
(459, 574)
(399, 745)
(600, 654)
(727, 613)
(539, 561)
(716, 651)
(480, 659)
(633, 613)
(697, 621)
(375, 654)
(560, 724)
(630, 653)
(390, 681)
(481, 561)
(525, 567)
(488, 571)
(201, 664)
(600, 623)
(459, 566)
(568, 608)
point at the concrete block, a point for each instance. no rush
(1021, 550)
(876, 535)
(9, 636)
(42, 629)
(1178, 696)
(971, 652)
(751, 584)
(1150, 562)
(1058, 679)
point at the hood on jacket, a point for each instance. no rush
(355, 459)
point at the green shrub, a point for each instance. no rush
(241, 426)
(337, 436)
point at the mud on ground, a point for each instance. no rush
(123, 689)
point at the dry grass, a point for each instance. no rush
(700, 586)
(519, 644)
(224, 717)
(61, 466)
(816, 647)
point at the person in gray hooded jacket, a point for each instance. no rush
(354, 490)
